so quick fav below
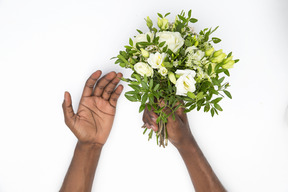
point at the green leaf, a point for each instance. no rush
(217, 100)
(182, 18)
(167, 14)
(227, 73)
(213, 91)
(168, 64)
(148, 38)
(148, 106)
(156, 87)
(144, 98)
(162, 44)
(192, 107)
(228, 94)
(212, 112)
(131, 93)
(131, 98)
(200, 95)
(124, 60)
(208, 97)
(229, 54)
(151, 84)
(135, 87)
(161, 16)
(141, 108)
(144, 85)
(137, 77)
(193, 20)
(179, 27)
(151, 98)
(216, 40)
(128, 47)
(139, 31)
(221, 80)
(209, 69)
(236, 61)
(214, 29)
(207, 107)
(217, 106)
(191, 95)
(165, 48)
(189, 13)
(130, 42)
(145, 79)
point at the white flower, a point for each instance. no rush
(190, 49)
(143, 69)
(172, 39)
(175, 63)
(156, 60)
(194, 56)
(185, 82)
(163, 71)
(142, 38)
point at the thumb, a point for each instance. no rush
(68, 109)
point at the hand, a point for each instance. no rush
(179, 133)
(94, 119)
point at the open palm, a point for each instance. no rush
(94, 119)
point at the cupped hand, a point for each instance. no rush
(94, 119)
(179, 133)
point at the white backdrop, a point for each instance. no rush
(50, 46)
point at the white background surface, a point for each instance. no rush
(48, 47)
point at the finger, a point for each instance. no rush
(68, 109)
(108, 90)
(181, 114)
(149, 118)
(115, 95)
(89, 85)
(103, 82)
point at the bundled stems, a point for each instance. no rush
(162, 134)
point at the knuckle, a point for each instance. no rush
(108, 91)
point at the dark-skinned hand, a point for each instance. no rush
(179, 133)
(95, 115)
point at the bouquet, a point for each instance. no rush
(173, 66)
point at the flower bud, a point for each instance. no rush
(229, 64)
(196, 43)
(228, 59)
(219, 59)
(209, 51)
(172, 77)
(165, 23)
(217, 53)
(149, 22)
(144, 53)
(159, 22)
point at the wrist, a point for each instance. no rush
(189, 145)
(89, 146)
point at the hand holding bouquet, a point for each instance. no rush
(173, 67)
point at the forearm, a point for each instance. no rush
(80, 174)
(202, 175)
